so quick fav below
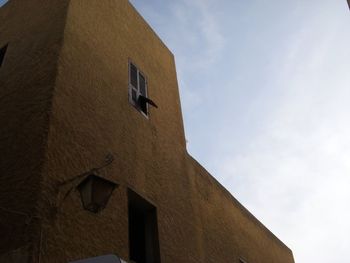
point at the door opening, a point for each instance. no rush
(143, 230)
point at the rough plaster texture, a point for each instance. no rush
(34, 31)
(72, 109)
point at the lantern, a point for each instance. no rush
(95, 192)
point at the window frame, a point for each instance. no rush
(137, 89)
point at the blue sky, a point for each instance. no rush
(265, 98)
(266, 103)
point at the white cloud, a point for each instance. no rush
(199, 34)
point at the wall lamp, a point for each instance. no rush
(95, 191)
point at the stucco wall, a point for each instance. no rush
(33, 30)
(91, 116)
(227, 229)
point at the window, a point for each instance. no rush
(138, 95)
(143, 230)
(2, 54)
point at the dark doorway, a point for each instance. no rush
(143, 230)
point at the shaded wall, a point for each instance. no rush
(34, 31)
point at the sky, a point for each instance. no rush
(266, 104)
(264, 86)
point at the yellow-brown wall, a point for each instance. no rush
(34, 32)
(90, 116)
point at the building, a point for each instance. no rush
(89, 102)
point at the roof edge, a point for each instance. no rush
(240, 206)
(149, 26)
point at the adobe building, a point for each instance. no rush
(93, 153)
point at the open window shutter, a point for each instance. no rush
(145, 100)
(133, 76)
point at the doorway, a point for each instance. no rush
(143, 230)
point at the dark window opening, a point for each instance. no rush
(142, 85)
(143, 230)
(2, 54)
(133, 76)
(143, 104)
